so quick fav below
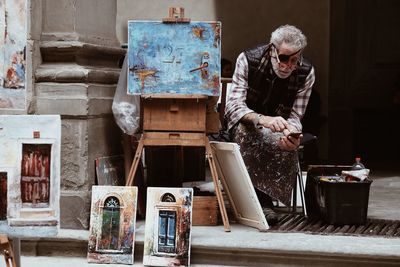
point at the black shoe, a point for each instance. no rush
(271, 216)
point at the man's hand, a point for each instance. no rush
(275, 124)
(289, 143)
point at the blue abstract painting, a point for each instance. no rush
(174, 58)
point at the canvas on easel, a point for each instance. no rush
(174, 58)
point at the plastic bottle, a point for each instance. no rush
(358, 165)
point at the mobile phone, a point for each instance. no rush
(295, 134)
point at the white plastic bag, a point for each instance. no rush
(126, 108)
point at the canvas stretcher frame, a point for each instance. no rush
(238, 186)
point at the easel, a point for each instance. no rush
(176, 120)
(7, 251)
(189, 130)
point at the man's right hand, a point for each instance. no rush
(275, 124)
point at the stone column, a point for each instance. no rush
(75, 76)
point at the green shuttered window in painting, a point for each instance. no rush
(110, 225)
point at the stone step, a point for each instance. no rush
(245, 246)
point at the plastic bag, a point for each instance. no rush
(126, 108)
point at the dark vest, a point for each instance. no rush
(267, 93)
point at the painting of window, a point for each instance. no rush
(35, 175)
(168, 226)
(166, 231)
(110, 224)
(3, 195)
(13, 41)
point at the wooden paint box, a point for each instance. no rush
(174, 114)
(205, 210)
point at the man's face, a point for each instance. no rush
(284, 59)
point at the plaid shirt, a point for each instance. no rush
(236, 106)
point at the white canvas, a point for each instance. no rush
(237, 184)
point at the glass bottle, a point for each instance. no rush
(357, 164)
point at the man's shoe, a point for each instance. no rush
(271, 216)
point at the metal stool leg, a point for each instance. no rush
(301, 187)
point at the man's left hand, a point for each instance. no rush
(289, 143)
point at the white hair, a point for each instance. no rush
(290, 35)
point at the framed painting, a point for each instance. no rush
(112, 224)
(13, 40)
(174, 58)
(238, 186)
(168, 226)
(30, 145)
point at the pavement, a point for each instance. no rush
(246, 246)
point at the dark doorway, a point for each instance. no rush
(364, 80)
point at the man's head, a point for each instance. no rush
(288, 43)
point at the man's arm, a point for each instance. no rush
(236, 109)
(300, 103)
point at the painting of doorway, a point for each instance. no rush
(35, 175)
(112, 224)
(168, 226)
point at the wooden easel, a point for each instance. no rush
(6, 250)
(177, 120)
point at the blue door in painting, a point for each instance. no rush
(167, 226)
(166, 231)
(110, 224)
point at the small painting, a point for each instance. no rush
(3, 195)
(110, 170)
(174, 58)
(30, 148)
(112, 224)
(13, 40)
(168, 226)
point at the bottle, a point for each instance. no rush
(357, 165)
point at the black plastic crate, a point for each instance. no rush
(343, 202)
(336, 202)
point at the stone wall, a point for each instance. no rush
(77, 79)
(73, 60)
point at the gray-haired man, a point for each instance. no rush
(270, 91)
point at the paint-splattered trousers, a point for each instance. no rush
(271, 169)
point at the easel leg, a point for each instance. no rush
(7, 251)
(135, 163)
(218, 192)
(17, 252)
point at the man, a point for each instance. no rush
(270, 91)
